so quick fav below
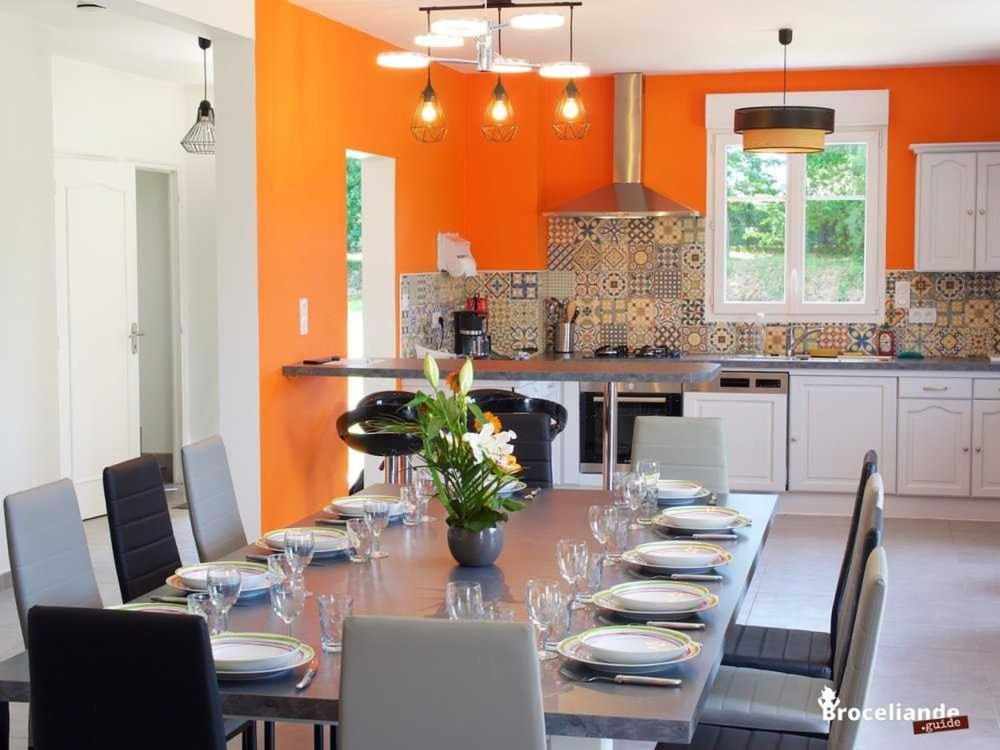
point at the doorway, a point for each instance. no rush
(371, 281)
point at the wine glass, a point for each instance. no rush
(423, 483)
(633, 493)
(224, 584)
(288, 599)
(571, 555)
(410, 506)
(601, 519)
(544, 601)
(377, 518)
(649, 471)
(299, 546)
(464, 600)
(278, 567)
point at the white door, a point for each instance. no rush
(97, 306)
(832, 422)
(756, 428)
(986, 448)
(934, 447)
(988, 211)
(946, 216)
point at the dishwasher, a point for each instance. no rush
(753, 407)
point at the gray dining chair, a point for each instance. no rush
(772, 695)
(692, 448)
(215, 515)
(428, 684)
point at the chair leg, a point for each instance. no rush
(269, 743)
(4, 725)
(333, 736)
(318, 736)
(250, 736)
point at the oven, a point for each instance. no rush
(634, 400)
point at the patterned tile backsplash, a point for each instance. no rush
(642, 281)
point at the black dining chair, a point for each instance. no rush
(113, 680)
(142, 537)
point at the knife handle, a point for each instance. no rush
(720, 537)
(676, 625)
(635, 679)
(257, 558)
(695, 577)
(331, 521)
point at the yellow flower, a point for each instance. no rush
(452, 381)
(493, 419)
(509, 463)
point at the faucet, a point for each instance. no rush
(794, 342)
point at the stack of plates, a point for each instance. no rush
(696, 518)
(680, 492)
(677, 556)
(254, 656)
(650, 600)
(162, 609)
(194, 578)
(329, 542)
(354, 506)
(511, 487)
(629, 649)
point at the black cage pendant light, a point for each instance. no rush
(571, 121)
(428, 124)
(783, 129)
(499, 120)
(200, 139)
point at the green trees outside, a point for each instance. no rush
(353, 232)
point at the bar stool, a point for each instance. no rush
(394, 448)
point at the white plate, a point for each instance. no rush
(253, 575)
(327, 540)
(253, 652)
(659, 596)
(174, 581)
(606, 603)
(701, 518)
(354, 506)
(304, 655)
(681, 554)
(510, 489)
(574, 650)
(678, 489)
(155, 607)
(634, 644)
(632, 559)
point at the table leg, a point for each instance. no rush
(580, 743)
(269, 741)
(610, 435)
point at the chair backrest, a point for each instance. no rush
(505, 402)
(868, 467)
(532, 446)
(112, 680)
(208, 484)
(869, 529)
(857, 676)
(49, 560)
(142, 538)
(428, 684)
(692, 448)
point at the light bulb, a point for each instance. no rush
(571, 108)
(428, 112)
(499, 112)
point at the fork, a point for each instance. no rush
(624, 679)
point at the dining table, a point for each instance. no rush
(411, 582)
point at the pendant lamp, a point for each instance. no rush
(571, 121)
(428, 124)
(200, 139)
(783, 129)
(499, 120)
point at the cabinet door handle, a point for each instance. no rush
(969, 211)
(979, 450)
(793, 440)
(982, 212)
(936, 388)
(965, 449)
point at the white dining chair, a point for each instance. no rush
(429, 684)
(215, 514)
(692, 448)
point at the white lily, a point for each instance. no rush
(487, 444)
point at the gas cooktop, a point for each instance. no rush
(644, 352)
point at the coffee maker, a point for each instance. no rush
(471, 334)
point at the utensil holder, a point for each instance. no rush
(563, 338)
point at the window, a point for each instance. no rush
(797, 237)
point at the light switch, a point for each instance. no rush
(303, 316)
(926, 315)
(903, 295)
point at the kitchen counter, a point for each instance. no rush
(871, 364)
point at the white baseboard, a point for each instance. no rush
(896, 506)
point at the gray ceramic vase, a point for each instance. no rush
(475, 549)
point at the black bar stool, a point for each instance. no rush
(394, 448)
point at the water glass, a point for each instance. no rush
(571, 556)
(499, 612)
(423, 483)
(200, 605)
(633, 493)
(224, 584)
(278, 568)
(620, 485)
(299, 545)
(618, 538)
(648, 508)
(593, 579)
(602, 519)
(544, 601)
(288, 599)
(359, 536)
(649, 471)
(377, 517)
(333, 610)
(410, 506)
(464, 600)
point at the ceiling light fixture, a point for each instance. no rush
(438, 40)
(499, 120)
(511, 65)
(537, 21)
(464, 27)
(200, 139)
(571, 121)
(403, 60)
(428, 123)
(783, 129)
(567, 69)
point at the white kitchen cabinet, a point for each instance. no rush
(833, 420)
(935, 452)
(986, 448)
(756, 428)
(988, 212)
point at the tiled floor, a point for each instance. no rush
(940, 642)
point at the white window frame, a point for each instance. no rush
(793, 309)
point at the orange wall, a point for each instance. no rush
(319, 92)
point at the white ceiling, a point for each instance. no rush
(116, 40)
(712, 35)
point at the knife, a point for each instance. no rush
(695, 577)
(257, 558)
(169, 599)
(636, 679)
(332, 521)
(676, 625)
(721, 537)
(308, 676)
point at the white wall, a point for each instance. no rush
(29, 418)
(234, 16)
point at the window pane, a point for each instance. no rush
(835, 224)
(755, 226)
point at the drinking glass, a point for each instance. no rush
(601, 519)
(648, 508)
(224, 584)
(499, 612)
(333, 610)
(649, 471)
(620, 483)
(571, 555)
(299, 546)
(464, 600)
(359, 536)
(592, 580)
(410, 506)
(201, 605)
(288, 598)
(377, 517)
(544, 601)
(633, 492)
(424, 485)
(278, 567)
(618, 538)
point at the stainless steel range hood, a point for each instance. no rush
(626, 196)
